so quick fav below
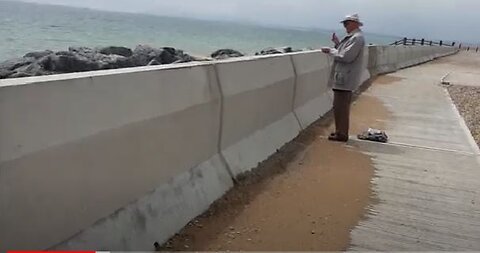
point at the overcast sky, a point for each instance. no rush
(437, 19)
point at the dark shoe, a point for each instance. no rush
(338, 137)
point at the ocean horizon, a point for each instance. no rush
(31, 27)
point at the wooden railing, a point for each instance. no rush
(468, 48)
(423, 42)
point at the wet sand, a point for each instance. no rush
(306, 197)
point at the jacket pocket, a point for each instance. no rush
(341, 77)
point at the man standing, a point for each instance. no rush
(348, 61)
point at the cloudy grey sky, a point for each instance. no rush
(438, 19)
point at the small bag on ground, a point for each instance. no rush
(374, 135)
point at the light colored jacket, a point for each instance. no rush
(348, 62)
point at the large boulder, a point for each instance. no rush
(64, 62)
(67, 53)
(34, 69)
(178, 55)
(20, 67)
(225, 53)
(123, 51)
(38, 54)
(113, 61)
(16, 63)
(278, 50)
(143, 55)
(5, 73)
(171, 50)
(83, 51)
(167, 56)
(181, 57)
(268, 51)
(19, 74)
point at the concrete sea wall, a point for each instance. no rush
(120, 159)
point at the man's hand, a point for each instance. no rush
(335, 39)
(326, 50)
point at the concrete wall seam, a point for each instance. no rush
(220, 132)
(295, 86)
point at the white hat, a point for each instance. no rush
(354, 18)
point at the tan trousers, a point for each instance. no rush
(341, 111)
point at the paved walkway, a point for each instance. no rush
(464, 70)
(427, 179)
